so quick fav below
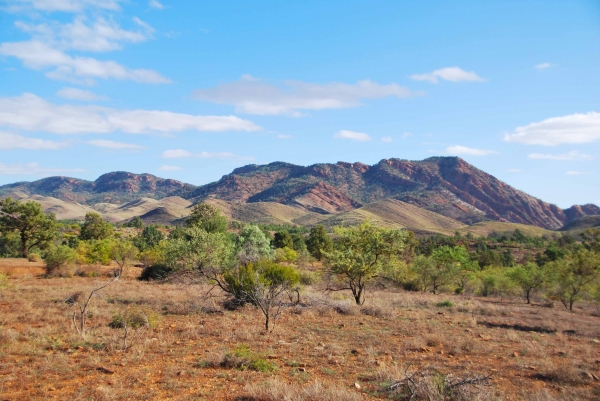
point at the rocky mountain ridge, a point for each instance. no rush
(448, 186)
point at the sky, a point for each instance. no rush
(191, 90)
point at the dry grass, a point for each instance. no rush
(320, 348)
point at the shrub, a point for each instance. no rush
(135, 318)
(155, 272)
(309, 278)
(444, 304)
(59, 261)
(34, 257)
(243, 358)
(285, 254)
(3, 281)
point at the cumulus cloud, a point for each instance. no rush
(387, 139)
(102, 143)
(464, 150)
(165, 167)
(543, 66)
(155, 4)
(99, 36)
(39, 56)
(32, 113)
(180, 154)
(452, 74)
(254, 96)
(355, 136)
(79, 94)
(14, 141)
(573, 128)
(572, 155)
(33, 169)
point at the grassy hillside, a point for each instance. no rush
(582, 223)
(486, 227)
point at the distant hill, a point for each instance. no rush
(393, 191)
(582, 223)
(116, 188)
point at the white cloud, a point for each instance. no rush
(73, 6)
(544, 66)
(463, 150)
(572, 155)
(155, 4)
(576, 173)
(33, 169)
(176, 154)
(165, 167)
(14, 141)
(102, 143)
(355, 136)
(387, 139)
(180, 154)
(405, 135)
(38, 55)
(79, 94)
(573, 128)
(282, 136)
(100, 36)
(254, 96)
(32, 113)
(514, 170)
(453, 74)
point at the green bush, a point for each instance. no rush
(242, 281)
(59, 261)
(309, 278)
(444, 304)
(155, 272)
(243, 358)
(3, 281)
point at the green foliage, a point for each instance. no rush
(283, 239)
(493, 281)
(576, 276)
(362, 253)
(243, 358)
(94, 252)
(285, 255)
(95, 228)
(253, 245)
(243, 281)
(445, 265)
(136, 222)
(299, 244)
(59, 260)
(149, 237)
(444, 304)
(3, 281)
(530, 278)
(318, 242)
(28, 221)
(10, 245)
(208, 218)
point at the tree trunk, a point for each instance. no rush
(24, 250)
(528, 293)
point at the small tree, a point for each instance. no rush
(530, 278)
(283, 239)
(148, 238)
(208, 218)
(441, 268)
(59, 257)
(576, 276)
(34, 228)
(95, 228)
(253, 245)
(136, 222)
(318, 242)
(361, 254)
(262, 284)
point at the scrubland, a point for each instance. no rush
(397, 345)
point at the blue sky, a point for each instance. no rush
(191, 90)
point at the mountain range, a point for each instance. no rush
(447, 192)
